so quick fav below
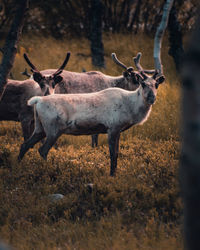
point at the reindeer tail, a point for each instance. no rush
(34, 100)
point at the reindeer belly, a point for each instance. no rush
(7, 113)
(85, 128)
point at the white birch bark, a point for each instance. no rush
(159, 35)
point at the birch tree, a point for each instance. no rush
(159, 35)
(10, 47)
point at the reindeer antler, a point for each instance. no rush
(33, 68)
(138, 65)
(116, 60)
(59, 71)
(137, 61)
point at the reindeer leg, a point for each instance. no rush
(36, 137)
(94, 140)
(49, 142)
(27, 128)
(113, 140)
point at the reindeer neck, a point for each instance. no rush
(139, 108)
(117, 81)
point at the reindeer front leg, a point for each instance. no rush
(94, 140)
(49, 142)
(35, 138)
(113, 141)
(38, 135)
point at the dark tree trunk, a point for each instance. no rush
(175, 38)
(10, 47)
(121, 13)
(190, 153)
(135, 18)
(96, 34)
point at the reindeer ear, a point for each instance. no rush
(58, 79)
(143, 84)
(37, 77)
(160, 79)
(141, 80)
(135, 78)
(125, 74)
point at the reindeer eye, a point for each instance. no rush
(143, 84)
(42, 85)
(130, 69)
(125, 74)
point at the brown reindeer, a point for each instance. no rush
(13, 105)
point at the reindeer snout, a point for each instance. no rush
(151, 98)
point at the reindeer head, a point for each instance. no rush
(129, 74)
(149, 83)
(135, 78)
(47, 83)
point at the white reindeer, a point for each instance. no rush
(13, 104)
(110, 111)
(93, 81)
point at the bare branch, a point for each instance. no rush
(11, 76)
(25, 73)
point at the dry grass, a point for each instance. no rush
(138, 209)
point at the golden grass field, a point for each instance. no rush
(140, 208)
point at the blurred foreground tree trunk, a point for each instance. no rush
(97, 48)
(175, 37)
(10, 47)
(190, 153)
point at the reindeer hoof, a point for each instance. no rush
(19, 158)
(43, 155)
(112, 173)
(21, 153)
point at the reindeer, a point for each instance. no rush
(110, 111)
(93, 81)
(13, 105)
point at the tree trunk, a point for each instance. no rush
(190, 153)
(175, 38)
(96, 34)
(159, 35)
(135, 18)
(10, 47)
